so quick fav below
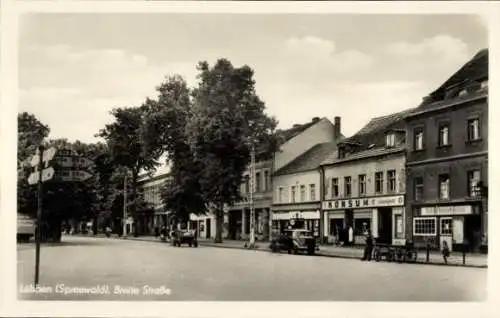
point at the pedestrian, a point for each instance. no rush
(367, 255)
(446, 252)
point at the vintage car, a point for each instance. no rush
(180, 237)
(294, 241)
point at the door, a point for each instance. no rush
(209, 232)
(385, 225)
(446, 232)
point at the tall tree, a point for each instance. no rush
(31, 133)
(227, 117)
(165, 133)
(125, 143)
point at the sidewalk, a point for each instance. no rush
(435, 258)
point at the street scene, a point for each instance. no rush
(160, 157)
(138, 270)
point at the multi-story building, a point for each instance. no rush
(293, 143)
(364, 183)
(297, 179)
(150, 188)
(447, 160)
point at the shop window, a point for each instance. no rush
(292, 194)
(444, 135)
(399, 226)
(473, 131)
(473, 177)
(361, 226)
(302, 193)
(347, 186)
(379, 182)
(446, 226)
(424, 226)
(335, 187)
(362, 184)
(418, 139)
(391, 181)
(444, 187)
(312, 192)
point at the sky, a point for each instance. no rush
(74, 68)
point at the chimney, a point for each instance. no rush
(336, 133)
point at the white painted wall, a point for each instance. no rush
(322, 131)
(296, 179)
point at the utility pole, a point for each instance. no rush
(125, 206)
(39, 216)
(252, 189)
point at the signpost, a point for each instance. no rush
(70, 167)
(41, 174)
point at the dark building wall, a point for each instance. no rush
(457, 118)
(455, 160)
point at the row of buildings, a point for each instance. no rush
(420, 174)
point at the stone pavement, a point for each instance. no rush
(435, 258)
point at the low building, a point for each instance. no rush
(297, 180)
(364, 183)
(297, 200)
(150, 187)
(448, 160)
(293, 143)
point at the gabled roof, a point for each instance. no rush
(372, 133)
(309, 160)
(287, 134)
(475, 69)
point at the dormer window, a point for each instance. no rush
(390, 140)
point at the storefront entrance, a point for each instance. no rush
(472, 230)
(235, 224)
(385, 225)
(209, 232)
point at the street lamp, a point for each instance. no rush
(252, 189)
(125, 205)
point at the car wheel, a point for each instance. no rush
(377, 256)
(190, 244)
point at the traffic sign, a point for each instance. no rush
(48, 154)
(72, 175)
(47, 174)
(80, 175)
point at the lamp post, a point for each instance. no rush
(252, 189)
(125, 206)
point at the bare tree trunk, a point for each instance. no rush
(219, 223)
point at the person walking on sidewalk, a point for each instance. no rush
(446, 252)
(367, 255)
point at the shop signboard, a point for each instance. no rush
(371, 202)
(446, 210)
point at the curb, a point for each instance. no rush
(217, 245)
(346, 256)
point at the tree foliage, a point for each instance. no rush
(126, 148)
(165, 133)
(228, 117)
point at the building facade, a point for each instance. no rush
(297, 179)
(297, 199)
(150, 188)
(238, 216)
(364, 184)
(447, 161)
